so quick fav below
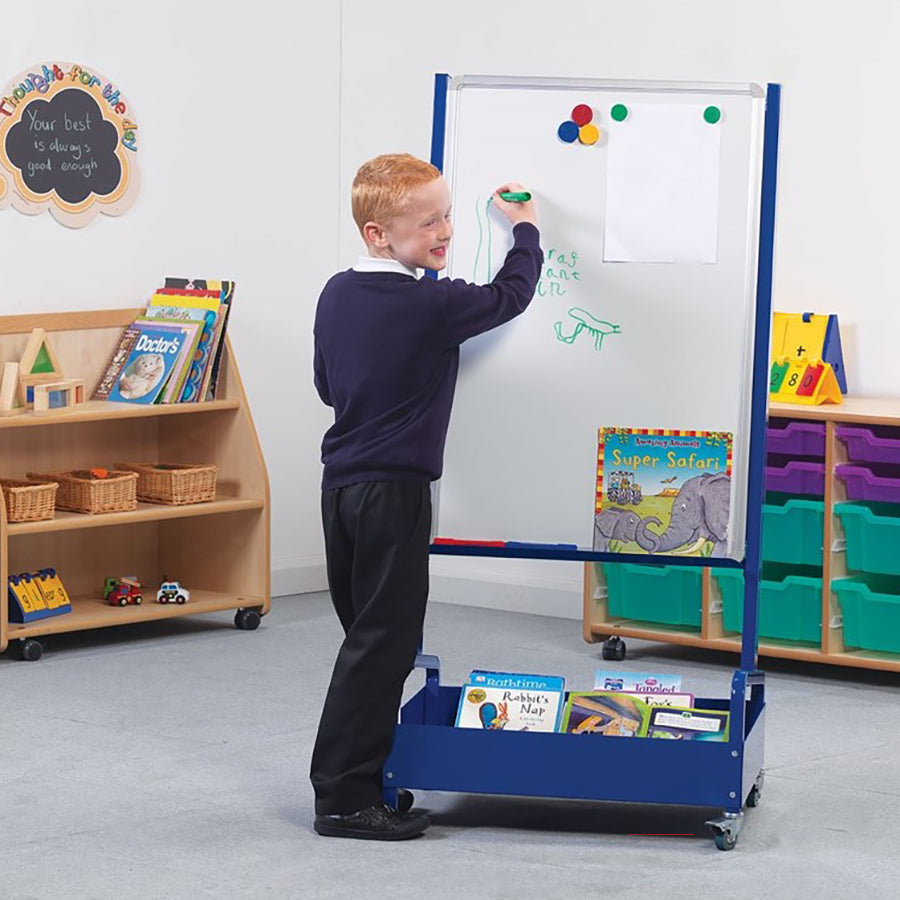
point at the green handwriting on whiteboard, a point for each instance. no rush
(482, 227)
(558, 271)
(584, 321)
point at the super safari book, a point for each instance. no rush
(663, 491)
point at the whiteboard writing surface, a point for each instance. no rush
(644, 314)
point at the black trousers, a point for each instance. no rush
(376, 549)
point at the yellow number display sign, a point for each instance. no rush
(807, 360)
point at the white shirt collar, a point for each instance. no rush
(378, 264)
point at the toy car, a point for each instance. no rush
(122, 591)
(172, 592)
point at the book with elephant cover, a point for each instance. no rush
(663, 491)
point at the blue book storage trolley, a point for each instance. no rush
(430, 754)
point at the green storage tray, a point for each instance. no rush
(671, 595)
(873, 538)
(871, 610)
(790, 608)
(792, 532)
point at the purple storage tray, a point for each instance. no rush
(797, 478)
(863, 484)
(864, 446)
(797, 439)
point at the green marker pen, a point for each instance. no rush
(515, 196)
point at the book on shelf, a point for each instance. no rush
(688, 724)
(203, 353)
(116, 363)
(149, 364)
(510, 701)
(225, 291)
(637, 682)
(609, 713)
(192, 331)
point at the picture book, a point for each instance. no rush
(679, 700)
(226, 295)
(688, 724)
(496, 701)
(116, 363)
(637, 682)
(663, 491)
(192, 329)
(483, 678)
(149, 364)
(606, 712)
(202, 357)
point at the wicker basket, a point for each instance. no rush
(174, 484)
(81, 492)
(29, 501)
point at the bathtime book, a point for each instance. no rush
(662, 491)
(511, 701)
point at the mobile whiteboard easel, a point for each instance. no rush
(703, 294)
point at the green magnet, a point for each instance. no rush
(619, 112)
(712, 114)
(515, 196)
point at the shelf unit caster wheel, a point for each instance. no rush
(726, 829)
(755, 792)
(30, 650)
(247, 619)
(614, 648)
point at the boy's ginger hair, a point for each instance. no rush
(383, 185)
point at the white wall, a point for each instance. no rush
(839, 181)
(333, 84)
(237, 109)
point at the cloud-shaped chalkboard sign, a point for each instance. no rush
(68, 143)
(65, 145)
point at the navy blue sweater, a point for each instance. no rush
(386, 358)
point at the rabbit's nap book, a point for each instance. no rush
(510, 701)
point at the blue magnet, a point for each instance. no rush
(568, 132)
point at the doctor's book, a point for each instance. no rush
(150, 363)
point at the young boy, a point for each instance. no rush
(386, 358)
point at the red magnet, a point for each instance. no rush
(582, 114)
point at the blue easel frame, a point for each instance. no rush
(430, 754)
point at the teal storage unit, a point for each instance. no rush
(873, 537)
(670, 595)
(871, 610)
(792, 531)
(790, 608)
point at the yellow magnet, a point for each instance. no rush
(589, 134)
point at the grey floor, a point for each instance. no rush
(170, 760)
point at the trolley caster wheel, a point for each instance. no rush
(726, 830)
(726, 841)
(405, 800)
(755, 792)
(614, 648)
(247, 619)
(30, 650)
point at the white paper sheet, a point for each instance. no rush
(662, 196)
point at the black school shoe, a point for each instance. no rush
(375, 823)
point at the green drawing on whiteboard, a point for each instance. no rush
(586, 322)
(481, 229)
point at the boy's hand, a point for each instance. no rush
(515, 212)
